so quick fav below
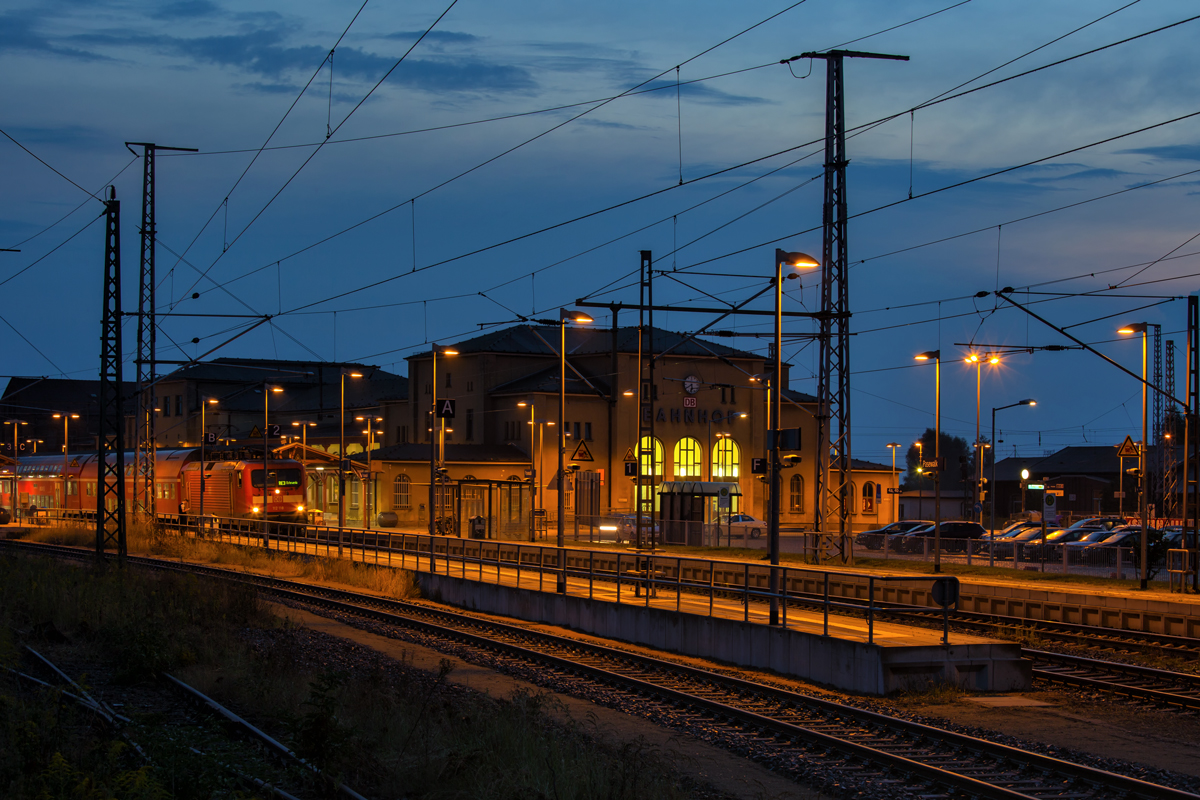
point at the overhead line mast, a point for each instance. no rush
(833, 382)
(147, 333)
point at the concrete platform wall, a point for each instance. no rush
(853, 666)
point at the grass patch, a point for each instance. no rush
(143, 540)
(383, 727)
(939, 694)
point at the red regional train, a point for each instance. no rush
(233, 484)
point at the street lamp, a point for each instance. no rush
(936, 355)
(16, 423)
(303, 425)
(369, 489)
(266, 451)
(580, 318)
(203, 441)
(978, 360)
(796, 260)
(65, 418)
(434, 444)
(1024, 483)
(1024, 473)
(1142, 328)
(893, 446)
(342, 459)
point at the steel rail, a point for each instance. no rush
(1113, 676)
(1038, 776)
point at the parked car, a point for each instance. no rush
(1051, 548)
(873, 540)
(955, 535)
(746, 525)
(903, 542)
(1017, 527)
(1091, 537)
(627, 526)
(1005, 548)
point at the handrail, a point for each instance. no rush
(645, 572)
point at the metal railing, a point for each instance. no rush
(686, 584)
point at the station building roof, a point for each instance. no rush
(522, 340)
(455, 453)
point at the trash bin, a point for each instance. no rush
(478, 527)
(5, 516)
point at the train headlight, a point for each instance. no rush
(254, 509)
(276, 491)
(299, 509)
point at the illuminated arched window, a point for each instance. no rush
(651, 448)
(726, 459)
(402, 493)
(852, 494)
(688, 459)
(796, 495)
(868, 498)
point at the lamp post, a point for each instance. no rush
(16, 423)
(564, 316)
(978, 360)
(533, 467)
(342, 458)
(65, 418)
(266, 451)
(796, 261)
(303, 425)
(368, 497)
(936, 355)
(1142, 328)
(992, 550)
(893, 446)
(203, 441)
(433, 441)
(1024, 483)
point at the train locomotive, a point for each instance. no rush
(233, 482)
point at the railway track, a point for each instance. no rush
(847, 746)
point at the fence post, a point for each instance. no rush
(746, 590)
(678, 583)
(712, 578)
(591, 572)
(618, 579)
(783, 599)
(826, 604)
(870, 610)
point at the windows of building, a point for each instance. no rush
(179, 405)
(587, 431)
(165, 408)
(470, 386)
(651, 449)
(796, 495)
(576, 429)
(512, 431)
(868, 498)
(688, 459)
(401, 434)
(726, 459)
(402, 493)
(448, 376)
(354, 487)
(470, 425)
(649, 392)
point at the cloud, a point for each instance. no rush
(1087, 174)
(1167, 152)
(269, 88)
(185, 9)
(75, 135)
(698, 92)
(434, 37)
(19, 32)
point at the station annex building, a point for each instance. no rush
(709, 403)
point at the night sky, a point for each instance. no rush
(527, 151)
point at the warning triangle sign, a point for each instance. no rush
(629, 455)
(582, 453)
(1128, 449)
(255, 433)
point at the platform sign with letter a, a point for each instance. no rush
(445, 409)
(1128, 448)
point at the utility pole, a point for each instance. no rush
(147, 333)
(110, 494)
(833, 381)
(1191, 440)
(645, 529)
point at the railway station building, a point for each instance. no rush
(708, 402)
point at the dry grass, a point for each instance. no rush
(939, 694)
(142, 540)
(385, 728)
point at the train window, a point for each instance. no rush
(278, 478)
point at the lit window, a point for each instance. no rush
(402, 493)
(726, 459)
(688, 459)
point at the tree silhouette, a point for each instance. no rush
(956, 455)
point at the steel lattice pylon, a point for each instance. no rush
(833, 380)
(110, 494)
(1169, 461)
(143, 491)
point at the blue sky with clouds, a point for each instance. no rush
(476, 139)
